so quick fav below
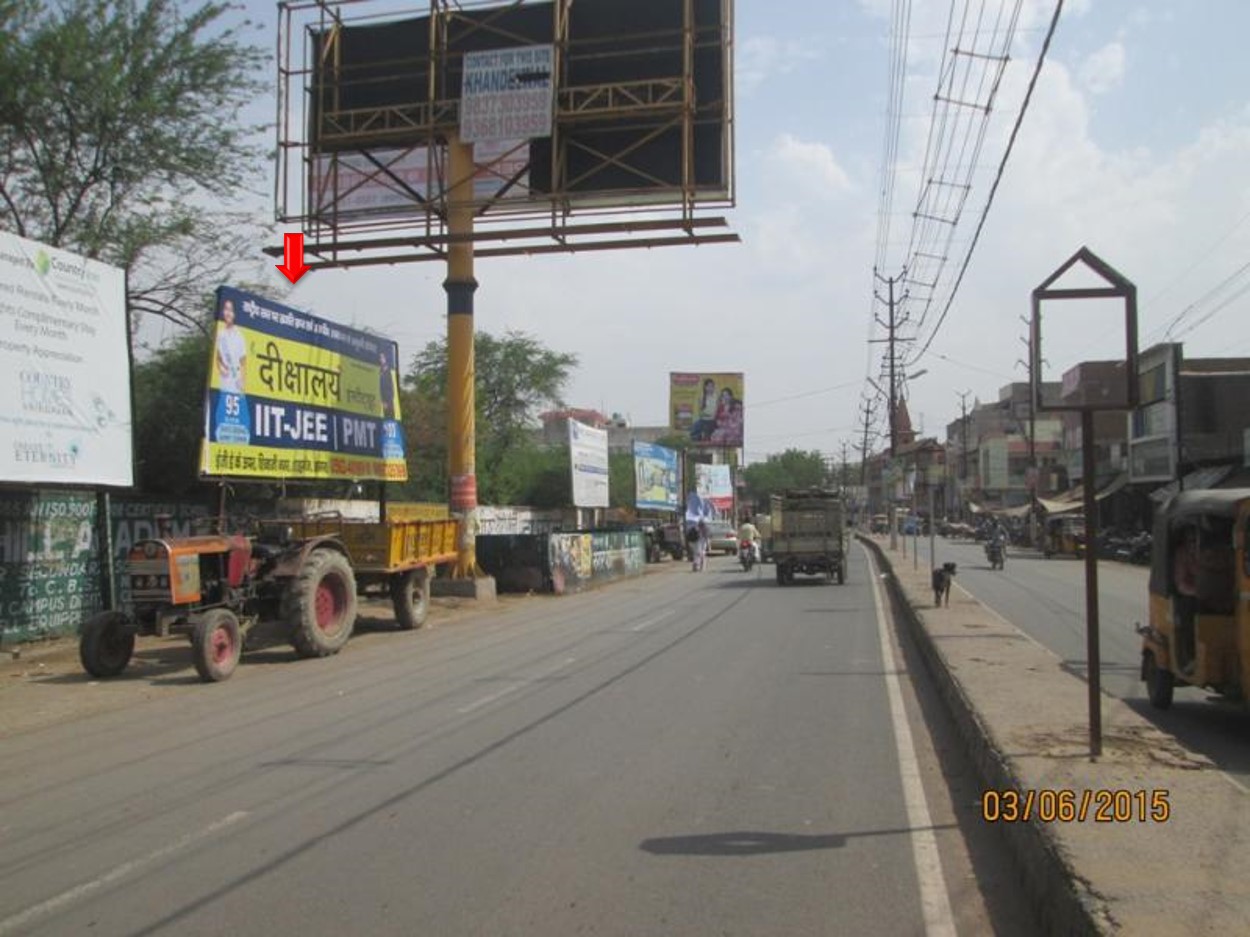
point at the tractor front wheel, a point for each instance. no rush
(320, 604)
(216, 644)
(106, 644)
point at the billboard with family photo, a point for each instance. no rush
(707, 407)
(294, 396)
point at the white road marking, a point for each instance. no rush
(495, 697)
(655, 620)
(934, 901)
(116, 874)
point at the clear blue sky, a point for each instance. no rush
(1136, 144)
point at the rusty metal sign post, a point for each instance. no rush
(1076, 395)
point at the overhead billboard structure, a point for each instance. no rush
(610, 107)
(64, 369)
(294, 396)
(588, 458)
(655, 477)
(707, 407)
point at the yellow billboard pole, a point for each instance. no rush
(461, 406)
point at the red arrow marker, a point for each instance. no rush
(292, 266)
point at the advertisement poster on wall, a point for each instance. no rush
(707, 407)
(291, 395)
(64, 368)
(713, 484)
(588, 456)
(655, 477)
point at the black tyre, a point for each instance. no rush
(216, 643)
(320, 604)
(106, 644)
(410, 595)
(1159, 682)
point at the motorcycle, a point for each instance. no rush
(746, 554)
(996, 554)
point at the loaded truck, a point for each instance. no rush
(808, 534)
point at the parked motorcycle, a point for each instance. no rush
(746, 554)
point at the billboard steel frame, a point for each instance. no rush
(315, 143)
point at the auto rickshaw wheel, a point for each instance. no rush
(106, 644)
(1159, 682)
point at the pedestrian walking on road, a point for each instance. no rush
(698, 545)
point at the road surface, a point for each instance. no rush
(682, 754)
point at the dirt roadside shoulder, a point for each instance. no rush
(43, 683)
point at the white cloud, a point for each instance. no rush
(759, 58)
(812, 164)
(1104, 70)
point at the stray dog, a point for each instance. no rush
(942, 585)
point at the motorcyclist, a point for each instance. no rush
(997, 543)
(749, 532)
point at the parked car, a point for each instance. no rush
(722, 537)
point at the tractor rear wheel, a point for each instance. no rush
(319, 606)
(106, 644)
(216, 643)
(410, 594)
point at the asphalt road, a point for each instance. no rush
(1045, 598)
(682, 754)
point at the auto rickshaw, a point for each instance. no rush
(1199, 630)
(1065, 536)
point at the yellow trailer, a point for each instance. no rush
(400, 555)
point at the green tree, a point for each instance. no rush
(791, 469)
(169, 416)
(516, 377)
(120, 133)
(621, 480)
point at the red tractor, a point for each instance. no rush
(217, 587)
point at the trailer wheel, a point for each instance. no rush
(216, 644)
(320, 604)
(106, 644)
(1159, 682)
(410, 594)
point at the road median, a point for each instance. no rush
(1148, 838)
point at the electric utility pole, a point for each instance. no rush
(892, 324)
(963, 445)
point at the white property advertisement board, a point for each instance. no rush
(588, 452)
(507, 94)
(64, 368)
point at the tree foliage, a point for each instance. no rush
(516, 378)
(791, 469)
(169, 416)
(120, 130)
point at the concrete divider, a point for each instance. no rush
(1148, 839)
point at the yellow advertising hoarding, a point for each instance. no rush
(294, 396)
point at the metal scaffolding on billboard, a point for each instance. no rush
(639, 154)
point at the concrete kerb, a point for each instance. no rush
(1172, 863)
(1047, 878)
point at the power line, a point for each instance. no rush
(1011, 142)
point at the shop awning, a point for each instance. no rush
(1073, 500)
(1194, 481)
